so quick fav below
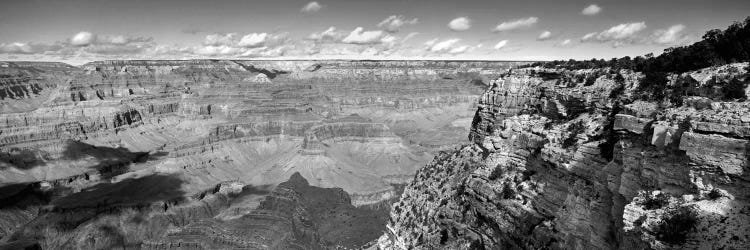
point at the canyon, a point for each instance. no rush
(221, 153)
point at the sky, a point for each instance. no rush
(79, 31)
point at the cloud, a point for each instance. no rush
(253, 40)
(83, 43)
(501, 44)
(249, 45)
(311, 7)
(565, 43)
(436, 47)
(517, 24)
(545, 35)
(220, 39)
(621, 31)
(359, 36)
(459, 50)
(213, 50)
(618, 34)
(83, 38)
(591, 10)
(588, 36)
(460, 24)
(90, 46)
(329, 34)
(671, 35)
(117, 45)
(431, 42)
(28, 48)
(446, 45)
(409, 36)
(394, 23)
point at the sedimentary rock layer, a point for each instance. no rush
(179, 128)
(556, 164)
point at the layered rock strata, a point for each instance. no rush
(555, 165)
(96, 131)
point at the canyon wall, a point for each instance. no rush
(134, 139)
(558, 163)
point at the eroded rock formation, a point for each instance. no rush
(555, 163)
(146, 139)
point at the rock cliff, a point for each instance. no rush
(559, 163)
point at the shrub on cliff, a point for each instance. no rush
(574, 129)
(675, 224)
(715, 194)
(735, 89)
(657, 201)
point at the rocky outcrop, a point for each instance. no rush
(556, 164)
(294, 215)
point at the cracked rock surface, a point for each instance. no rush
(555, 165)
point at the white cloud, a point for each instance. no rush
(591, 10)
(329, 34)
(359, 36)
(28, 48)
(619, 34)
(501, 44)
(459, 49)
(544, 35)
(211, 50)
(621, 31)
(588, 36)
(446, 45)
(83, 38)
(517, 24)
(671, 35)
(220, 39)
(431, 42)
(460, 24)
(409, 36)
(253, 40)
(565, 42)
(311, 7)
(394, 23)
(389, 39)
(83, 43)
(117, 39)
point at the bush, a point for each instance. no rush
(574, 129)
(507, 192)
(656, 201)
(590, 80)
(735, 89)
(714, 194)
(496, 173)
(676, 224)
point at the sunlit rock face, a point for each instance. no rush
(559, 164)
(135, 145)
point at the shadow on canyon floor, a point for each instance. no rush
(338, 221)
(63, 216)
(106, 158)
(135, 192)
(107, 163)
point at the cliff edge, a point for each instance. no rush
(558, 161)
